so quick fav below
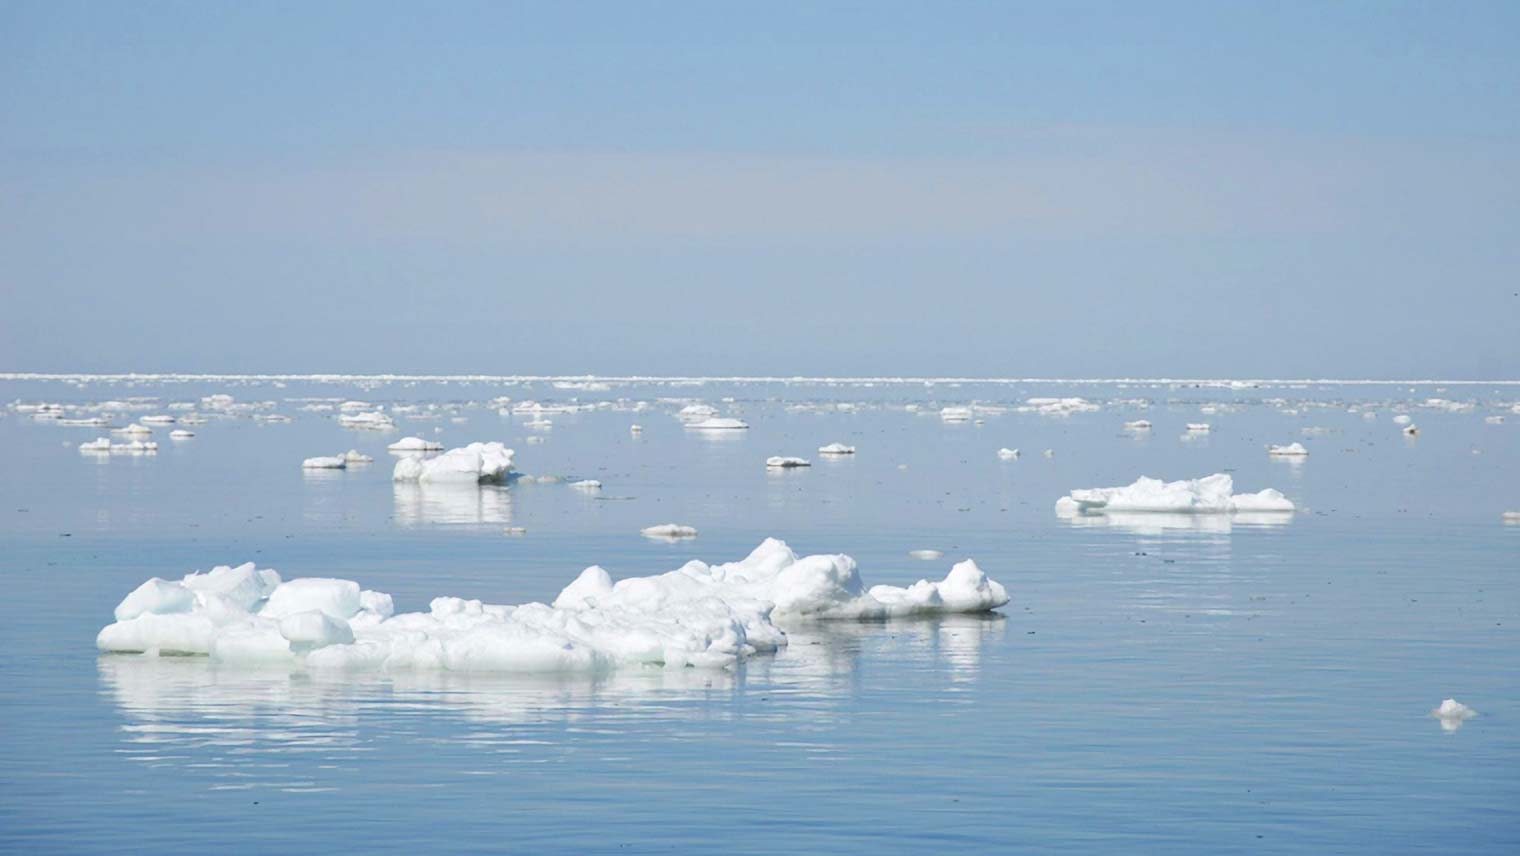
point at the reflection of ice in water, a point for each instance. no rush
(1294, 463)
(435, 504)
(1154, 523)
(239, 724)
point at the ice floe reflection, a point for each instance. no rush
(419, 504)
(1159, 523)
(239, 726)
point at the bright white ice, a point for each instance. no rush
(1211, 495)
(699, 615)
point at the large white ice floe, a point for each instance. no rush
(325, 462)
(1211, 495)
(472, 464)
(699, 615)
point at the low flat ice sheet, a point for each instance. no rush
(1210, 495)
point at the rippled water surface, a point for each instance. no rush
(1158, 681)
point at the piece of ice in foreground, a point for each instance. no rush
(1210, 495)
(699, 615)
(477, 463)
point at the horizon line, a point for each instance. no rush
(702, 379)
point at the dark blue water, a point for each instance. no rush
(1161, 684)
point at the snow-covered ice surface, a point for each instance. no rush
(709, 616)
(475, 463)
(1209, 495)
(1160, 681)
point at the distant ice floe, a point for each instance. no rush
(718, 423)
(477, 463)
(591, 485)
(181, 434)
(372, 420)
(415, 444)
(777, 462)
(1199, 427)
(131, 447)
(701, 615)
(1411, 430)
(836, 449)
(1291, 450)
(1511, 517)
(134, 428)
(1138, 425)
(1402, 419)
(158, 419)
(1452, 714)
(1058, 406)
(669, 532)
(956, 414)
(926, 555)
(1211, 495)
(354, 456)
(325, 462)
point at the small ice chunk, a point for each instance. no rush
(158, 596)
(777, 462)
(669, 531)
(635, 429)
(354, 456)
(159, 419)
(1007, 454)
(415, 444)
(1198, 427)
(955, 414)
(836, 449)
(586, 484)
(1411, 430)
(1290, 450)
(181, 434)
(1138, 425)
(927, 555)
(1402, 419)
(338, 598)
(325, 462)
(718, 423)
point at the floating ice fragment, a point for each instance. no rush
(1007, 454)
(718, 423)
(472, 464)
(1138, 425)
(1198, 427)
(354, 456)
(1290, 450)
(181, 434)
(777, 462)
(325, 462)
(926, 554)
(1210, 495)
(955, 414)
(836, 449)
(415, 444)
(1401, 419)
(1411, 430)
(586, 484)
(700, 615)
(1452, 714)
(669, 531)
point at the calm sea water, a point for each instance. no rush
(1156, 683)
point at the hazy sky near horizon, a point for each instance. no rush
(1055, 189)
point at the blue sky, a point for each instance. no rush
(1277, 189)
